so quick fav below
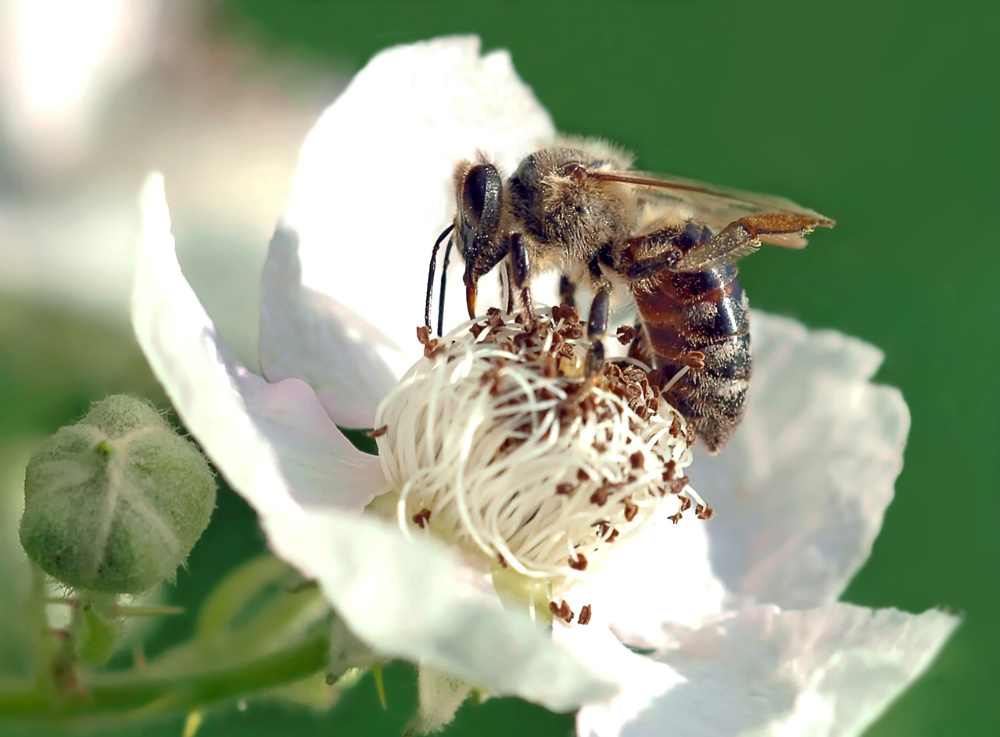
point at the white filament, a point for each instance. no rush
(479, 436)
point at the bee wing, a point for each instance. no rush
(719, 206)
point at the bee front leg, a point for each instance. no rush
(521, 271)
(506, 276)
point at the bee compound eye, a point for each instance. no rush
(474, 193)
(482, 191)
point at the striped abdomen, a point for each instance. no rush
(703, 311)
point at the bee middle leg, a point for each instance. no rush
(597, 322)
(567, 291)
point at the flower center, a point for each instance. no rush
(496, 442)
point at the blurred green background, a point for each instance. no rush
(884, 115)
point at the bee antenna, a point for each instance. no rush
(430, 277)
(444, 274)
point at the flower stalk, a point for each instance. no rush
(254, 635)
(140, 693)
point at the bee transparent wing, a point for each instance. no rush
(720, 206)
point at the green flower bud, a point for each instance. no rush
(116, 502)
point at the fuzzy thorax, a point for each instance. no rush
(496, 442)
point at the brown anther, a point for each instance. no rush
(675, 427)
(477, 329)
(631, 510)
(625, 334)
(678, 484)
(695, 360)
(422, 517)
(612, 537)
(670, 470)
(423, 334)
(579, 563)
(562, 611)
(572, 331)
(585, 613)
(565, 312)
(685, 504)
(637, 459)
(501, 560)
(431, 348)
(704, 512)
(600, 496)
(565, 489)
(582, 475)
(675, 518)
(378, 431)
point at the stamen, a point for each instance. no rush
(497, 442)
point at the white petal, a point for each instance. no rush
(270, 441)
(826, 672)
(661, 585)
(373, 188)
(643, 679)
(800, 491)
(305, 334)
(275, 445)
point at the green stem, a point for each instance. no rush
(108, 695)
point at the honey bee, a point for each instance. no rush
(668, 244)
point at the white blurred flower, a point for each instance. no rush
(92, 96)
(739, 616)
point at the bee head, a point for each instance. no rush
(479, 205)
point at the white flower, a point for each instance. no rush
(739, 614)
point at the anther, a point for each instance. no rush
(562, 611)
(422, 517)
(626, 334)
